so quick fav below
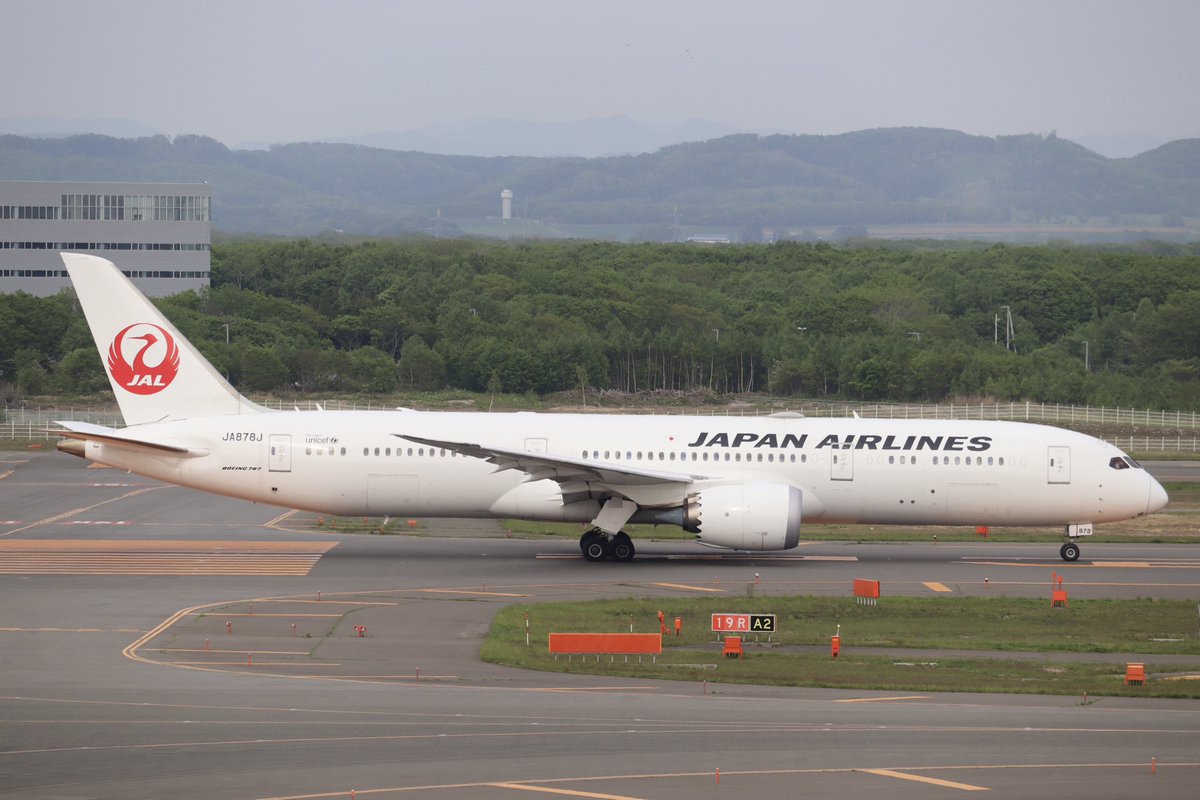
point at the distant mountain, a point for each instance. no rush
(739, 182)
(604, 136)
(1120, 146)
(53, 127)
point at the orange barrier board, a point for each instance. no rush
(606, 643)
(865, 588)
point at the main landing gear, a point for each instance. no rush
(600, 546)
(1069, 552)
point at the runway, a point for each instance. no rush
(147, 649)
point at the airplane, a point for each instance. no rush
(737, 483)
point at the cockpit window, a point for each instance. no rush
(1132, 463)
(1118, 462)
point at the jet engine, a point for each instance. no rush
(746, 516)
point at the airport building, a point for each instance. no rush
(159, 234)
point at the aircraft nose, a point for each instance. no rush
(1158, 497)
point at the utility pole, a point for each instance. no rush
(1009, 333)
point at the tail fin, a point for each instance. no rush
(156, 373)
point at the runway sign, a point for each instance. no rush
(743, 623)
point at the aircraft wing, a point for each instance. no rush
(563, 469)
(119, 438)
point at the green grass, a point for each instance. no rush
(1161, 628)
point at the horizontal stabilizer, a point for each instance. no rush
(88, 432)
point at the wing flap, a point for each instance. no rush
(563, 469)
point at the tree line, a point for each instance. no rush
(871, 321)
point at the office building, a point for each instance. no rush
(159, 234)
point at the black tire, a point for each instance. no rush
(622, 547)
(594, 547)
(1069, 552)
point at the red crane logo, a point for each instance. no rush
(140, 377)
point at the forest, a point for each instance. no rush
(1113, 326)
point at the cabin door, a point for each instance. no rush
(1059, 465)
(841, 465)
(281, 452)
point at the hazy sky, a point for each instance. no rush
(289, 70)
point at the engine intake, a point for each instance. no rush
(746, 516)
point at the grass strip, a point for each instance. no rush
(1158, 628)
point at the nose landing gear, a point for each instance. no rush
(1069, 552)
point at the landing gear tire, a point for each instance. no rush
(1069, 552)
(622, 547)
(594, 546)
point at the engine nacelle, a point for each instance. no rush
(746, 516)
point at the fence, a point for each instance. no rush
(1024, 412)
(34, 423)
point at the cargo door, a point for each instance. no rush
(393, 494)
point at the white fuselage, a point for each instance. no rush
(848, 470)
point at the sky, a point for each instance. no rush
(293, 70)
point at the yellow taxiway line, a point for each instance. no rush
(882, 699)
(688, 587)
(524, 787)
(889, 773)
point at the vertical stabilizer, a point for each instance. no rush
(156, 374)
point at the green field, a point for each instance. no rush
(942, 628)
